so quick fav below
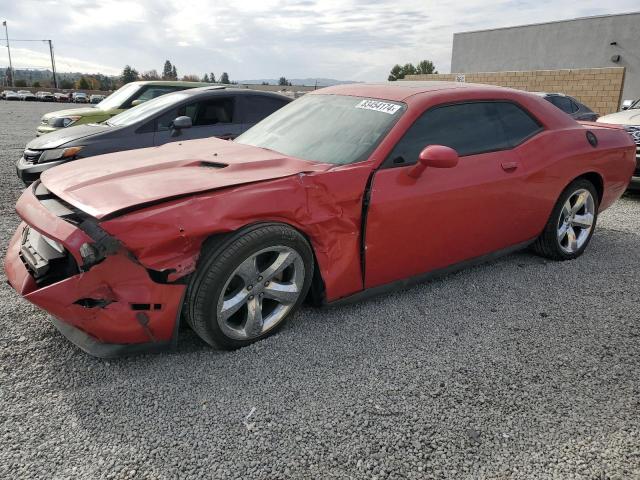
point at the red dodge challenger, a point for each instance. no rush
(348, 191)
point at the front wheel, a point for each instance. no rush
(571, 224)
(246, 290)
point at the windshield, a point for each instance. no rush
(326, 128)
(146, 110)
(117, 98)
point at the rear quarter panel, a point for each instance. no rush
(554, 158)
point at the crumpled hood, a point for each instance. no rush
(82, 111)
(107, 184)
(626, 117)
(62, 136)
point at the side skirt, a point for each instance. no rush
(408, 282)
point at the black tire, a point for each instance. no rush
(547, 244)
(217, 266)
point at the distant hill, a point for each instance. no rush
(310, 82)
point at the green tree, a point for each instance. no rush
(83, 84)
(408, 69)
(396, 73)
(224, 78)
(205, 78)
(212, 78)
(283, 81)
(66, 84)
(150, 75)
(36, 84)
(128, 75)
(174, 73)
(426, 67)
(167, 71)
(21, 83)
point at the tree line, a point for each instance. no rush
(398, 72)
(170, 72)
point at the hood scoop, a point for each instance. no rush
(205, 164)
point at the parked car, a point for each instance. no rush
(26, 96)
(127, 96)
(349, 191)
(45, 97)
(96, 98)
(195, 113)
(80, 97)
(629, 119)
(571, 106)
(10, 95)
(61, 97)
(626, 104)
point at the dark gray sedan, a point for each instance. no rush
(196, 113)
(570, 106)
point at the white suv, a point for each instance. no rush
(630, 119)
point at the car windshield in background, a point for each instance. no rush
(326, 128)
(145, 110)
(117, 98)
(635, 104)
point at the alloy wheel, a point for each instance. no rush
(260, 292)
(576, 221)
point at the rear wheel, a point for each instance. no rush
(571, 224)
(246, 290)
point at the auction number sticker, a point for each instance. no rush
(378, 106)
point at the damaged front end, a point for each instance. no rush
(101, 298)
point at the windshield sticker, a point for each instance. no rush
(377, 106)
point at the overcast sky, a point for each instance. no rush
(342, 39)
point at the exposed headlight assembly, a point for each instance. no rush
(61, 122)
(58, 154)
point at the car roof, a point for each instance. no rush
(171, 83)
(221, 90)
(401, 90)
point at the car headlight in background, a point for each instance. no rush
(61, 122)
(58, 153)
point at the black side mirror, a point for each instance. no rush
(179, 123)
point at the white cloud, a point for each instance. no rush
(345, 39)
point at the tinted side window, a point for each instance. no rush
(563, 103)
(214, 111)
(154, 92)
(469, 128)
(163, 122)
(258, 107)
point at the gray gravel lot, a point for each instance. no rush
(521, 368)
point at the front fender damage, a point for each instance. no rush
(327, 208)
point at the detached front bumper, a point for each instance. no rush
(109, 309)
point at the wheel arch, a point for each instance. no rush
(595, 178)
(215, 242)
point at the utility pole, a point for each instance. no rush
(53, 65)
(6, 32)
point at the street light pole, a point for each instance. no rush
(53, 65)
(6, 32)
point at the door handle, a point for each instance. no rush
(509, 166)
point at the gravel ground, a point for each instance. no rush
(521, 368)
